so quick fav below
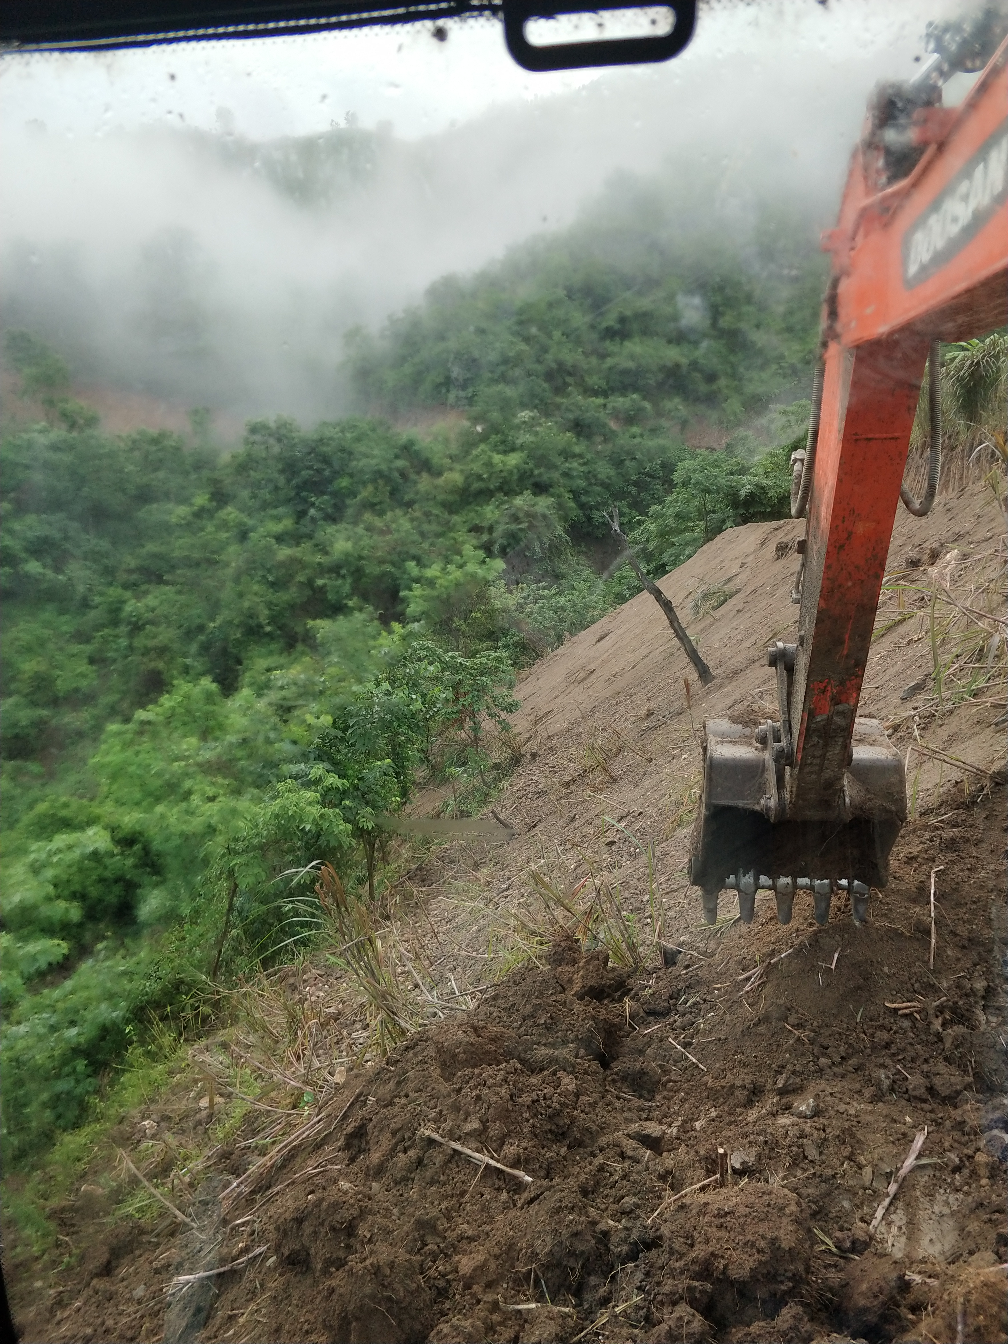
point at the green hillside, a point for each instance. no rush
(221, 667)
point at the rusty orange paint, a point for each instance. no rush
(867, 245)
(889, 306)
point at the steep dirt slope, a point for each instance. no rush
(812, 1056)
(608, 734)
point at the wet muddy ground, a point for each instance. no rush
(613, 1095)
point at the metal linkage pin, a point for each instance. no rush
(859, 902)
(822, 890)
(785, 899)
(747, 897)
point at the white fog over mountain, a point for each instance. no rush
(211, 268)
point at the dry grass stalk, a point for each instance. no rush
(681, 1194)
(370, 967)
(177, 1213)
(181, 1282)
(612, 1311)
(934, 872)
(535, 1306)
(897, 1180)
(315, 1128)
(945, 758)
(294, 1038)
(274, 1190)
(480, 1159)
(959, 606)
(687, 1054)
(601, 920)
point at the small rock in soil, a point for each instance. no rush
(741, 1161)
(994, 1114)
(918, 1088)
(996, 1143)
(659, 1138)
(682, 1325)
(982, 1165)
(806, 1109)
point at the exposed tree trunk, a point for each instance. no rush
(702, 670)
(370, 840)
(224, 927)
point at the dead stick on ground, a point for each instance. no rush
(183, 1218)
(183, 1281)
(933, 936)
(687, 1054)
(690, 1189)
(613, 1311)
(678, 629)
(479, 1158)
(897, 1180)
(535, 1306)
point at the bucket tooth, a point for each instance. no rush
(785, 899)
(822, 890)
(710, 900)
(747, 897)
(859, 902)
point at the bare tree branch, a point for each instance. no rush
(678, 629)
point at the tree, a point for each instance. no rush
(678, 629)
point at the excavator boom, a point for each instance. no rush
(816, 798)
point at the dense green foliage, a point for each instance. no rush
(220, 669)
(640, 313)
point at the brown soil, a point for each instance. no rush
(614, 1093)
(121, 411)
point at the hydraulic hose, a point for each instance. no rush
(920, 508)
(803, 460)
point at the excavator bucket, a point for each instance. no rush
(814, 802)
(744, 840)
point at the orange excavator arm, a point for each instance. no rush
(816, 799)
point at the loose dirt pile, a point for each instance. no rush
(811, 1056)
(614, 1096)
(568, 1072)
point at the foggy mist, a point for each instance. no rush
(208, 270)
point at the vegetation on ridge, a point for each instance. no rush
(222, 668)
